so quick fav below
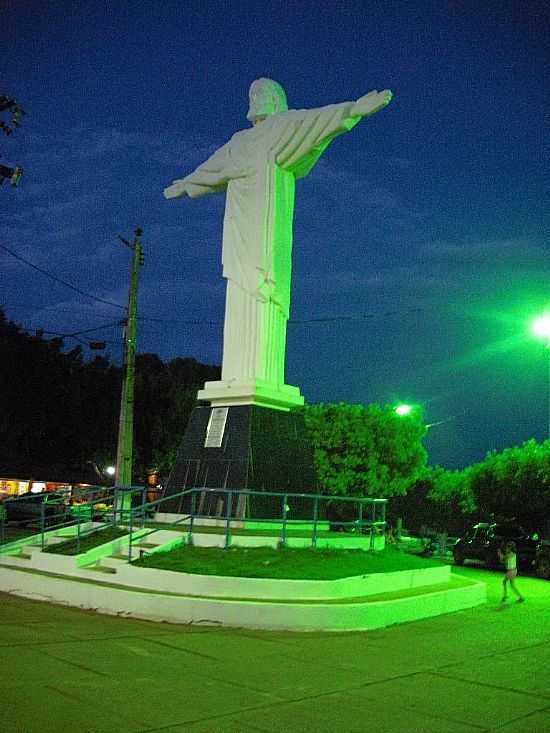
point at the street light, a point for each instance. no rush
(541, 328)
(403, 410)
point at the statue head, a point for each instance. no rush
(267, 97)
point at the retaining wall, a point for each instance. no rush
(249, 614)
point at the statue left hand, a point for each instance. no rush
(176, 190)
(371, 103)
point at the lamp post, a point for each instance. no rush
(541, 328)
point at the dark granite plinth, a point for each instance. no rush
(262, 450)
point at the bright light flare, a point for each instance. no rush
(541, 326)
(403, 410)
(110, 470)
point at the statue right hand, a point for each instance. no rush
(371, 103)
(176, 190)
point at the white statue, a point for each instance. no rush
(257, 168)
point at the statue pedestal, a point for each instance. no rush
(251, 392)
(243, 447)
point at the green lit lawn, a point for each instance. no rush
(11, 534)
(265, 562)
(88, 542)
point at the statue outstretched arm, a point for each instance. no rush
(176, 189)
(211, 176)
(311, 131)
(370, 103)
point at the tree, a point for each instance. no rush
(59, 412)
(11, 105)
(166, 393)
(439, 499)
(55, 409)
(365, 450)
(514, 484)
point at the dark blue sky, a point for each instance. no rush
(429, 223)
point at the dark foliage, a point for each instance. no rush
(59, 412)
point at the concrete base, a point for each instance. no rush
(257, 392)
(259, 449)
(103, 580)
(353, 616)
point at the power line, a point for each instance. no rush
(90, 330)
(74, 334)
(360, 317)
(176, 321)
(52, 308)
(196, 322)
(59, 280)
(152, 319)
(199, 322)
(296, 322)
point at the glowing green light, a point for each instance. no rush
(402, 410)
(541, 326)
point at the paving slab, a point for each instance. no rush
(55, 707)
(250, 665)
(339, 712)
(483, 670)
(167, 703)
(523, 670)
(535, 723)
(453, 700)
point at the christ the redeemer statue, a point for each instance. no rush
(257, 168)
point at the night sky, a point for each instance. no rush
(421, 238)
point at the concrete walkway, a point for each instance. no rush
(485, 669)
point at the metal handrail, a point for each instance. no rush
(241, 492)
(78, 517)
(135, 516)
(373, 523)
(44, 526)
(129, 515)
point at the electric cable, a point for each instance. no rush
(75, 334)
(89, 330)
(59, 280)
(294, 322)
(72, 336)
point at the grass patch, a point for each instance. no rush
(289, 563)
(13, 534)
(88, 542)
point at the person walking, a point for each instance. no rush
(508, 557)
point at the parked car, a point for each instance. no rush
(27, 508)
(483, 541)
(340, 516)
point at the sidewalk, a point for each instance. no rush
(484, 669)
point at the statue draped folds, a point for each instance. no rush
(257, 168)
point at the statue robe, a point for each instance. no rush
(258, 168)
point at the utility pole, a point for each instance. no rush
(123, 476)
